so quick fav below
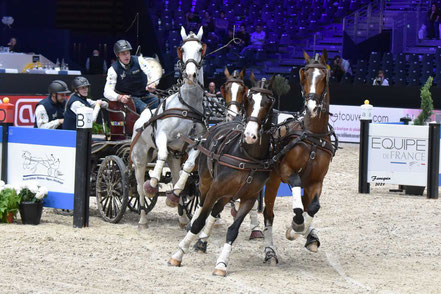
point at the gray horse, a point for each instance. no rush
(161, 139)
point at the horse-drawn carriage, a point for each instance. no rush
(113, 180)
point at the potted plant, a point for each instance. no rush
(9, 203)
(31, 204)
(422, 119)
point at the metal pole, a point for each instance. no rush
(5, 135)
(82, 167)
(363, 185)
(433, 161)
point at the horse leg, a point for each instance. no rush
(256, 232)
(139, 158)
(233, 231)
(196, 227)
(301, 224)
(201, 244)
(175, 166)
(151, 186)
(173, 198)
(272, 185)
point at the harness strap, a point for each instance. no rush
(172, 112)
(230, 160)
(190, 107)
(244, 184)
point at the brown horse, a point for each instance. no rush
(234, 92)
(303, 154)
(233, 164)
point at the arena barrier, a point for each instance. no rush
(57, 159)
(398, 154)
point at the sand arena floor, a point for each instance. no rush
(378, 243)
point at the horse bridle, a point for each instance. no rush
(182, 65)
(230, 81)
(323, 107)
(270, 96)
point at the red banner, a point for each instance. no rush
(24, 105)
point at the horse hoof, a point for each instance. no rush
(200, 246)
(233, 211)
(313, 247)
(143, 227)
(172, 200)
(291, 235)
(174, 262)
(271, 261)
(257, 234)
(149, 190)
(219, 272)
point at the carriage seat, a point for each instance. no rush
(121, 119)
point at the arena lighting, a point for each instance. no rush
(7, 20)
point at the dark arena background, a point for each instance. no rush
(370, 35)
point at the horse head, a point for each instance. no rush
(234, 92)
(190, 54)
(258, 107)
(314, 81)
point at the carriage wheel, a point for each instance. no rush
(134, 198)
(112, 189)
(190, 196)
(190, 205)
(149, 203)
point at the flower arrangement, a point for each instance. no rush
(31, 192)
(9, 202)
(11, 196)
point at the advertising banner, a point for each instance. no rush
(46, 156)
(24, 115)
(398, 154)
(346, 119)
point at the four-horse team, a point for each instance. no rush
(236, 158)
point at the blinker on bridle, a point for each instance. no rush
(182, 64)
(319, 98)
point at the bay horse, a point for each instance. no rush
(303, 154)
(233, 165)
(158, 135)
(234, 92)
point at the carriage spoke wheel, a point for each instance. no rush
(134, 198)
(112, 189)
(149, 203)
(190, 196)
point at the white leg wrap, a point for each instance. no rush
(196, 214)
(308, 221)
(268, 234)
(254, 224)
(222, 261)
(179, 186)
(156, 174)
(297, 198)
(207, 228)
(185, 244)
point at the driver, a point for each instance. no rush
(80, 87)
(128, 78)
(49, 112)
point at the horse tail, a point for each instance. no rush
(135, 139)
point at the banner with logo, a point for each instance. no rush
(46, 156)
(24, 106)
(398, 154)
(346, 119)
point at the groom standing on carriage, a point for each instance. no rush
(127, 78)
